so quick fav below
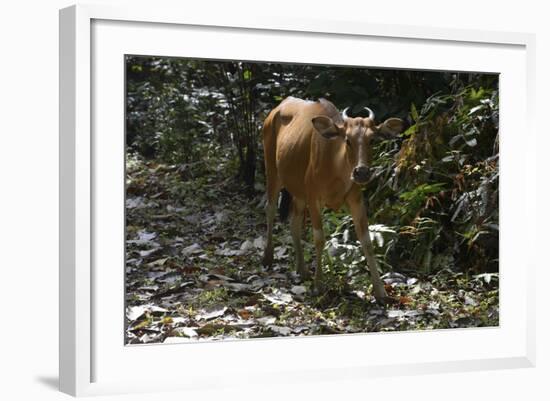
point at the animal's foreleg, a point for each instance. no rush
(360, 221)
(377, 284)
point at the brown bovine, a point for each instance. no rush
(321, 157)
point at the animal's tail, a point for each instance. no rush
(284, 204)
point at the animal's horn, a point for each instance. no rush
(344, 113)
(371, 113)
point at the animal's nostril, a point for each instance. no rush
(361, 173)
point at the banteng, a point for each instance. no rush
(321, 158)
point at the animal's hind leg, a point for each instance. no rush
(296, 219)
(273, 189)
(273, 185)
(319, 239)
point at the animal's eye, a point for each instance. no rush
(348, 142)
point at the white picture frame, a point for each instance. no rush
(92, 361)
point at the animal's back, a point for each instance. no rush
(293, 143)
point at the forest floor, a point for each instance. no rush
(194, 244)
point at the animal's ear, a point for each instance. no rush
(390, 128)
(325, 126)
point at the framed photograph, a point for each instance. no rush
(339, 202)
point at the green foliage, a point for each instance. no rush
(443, 184)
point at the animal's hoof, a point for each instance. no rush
(385, 300)
(267, 260)
(304, 275)
(317, 289)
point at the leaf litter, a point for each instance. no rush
(194, 273)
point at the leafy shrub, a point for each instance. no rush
(439, 189)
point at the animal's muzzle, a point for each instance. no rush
(360, 174)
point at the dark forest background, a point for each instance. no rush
(195, 198)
